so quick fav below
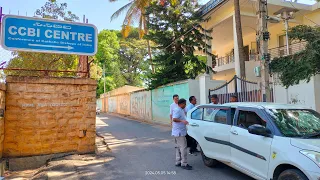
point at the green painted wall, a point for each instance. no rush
(162, 98)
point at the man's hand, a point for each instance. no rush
(185, 122)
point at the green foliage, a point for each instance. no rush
(132, 60)
(107, 55)
(45, 61)
(124, 58)
(41, 61)
(108, 47)
(303, 65)
(174, 27)
(54, 10)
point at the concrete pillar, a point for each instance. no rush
(236, 50)
(204, 88)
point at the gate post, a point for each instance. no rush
(203, 87)
(235, 84)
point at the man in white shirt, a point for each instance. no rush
(179, 132)
(173, 106)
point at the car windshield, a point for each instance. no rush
(296, 122)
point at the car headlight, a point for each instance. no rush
(314, 156)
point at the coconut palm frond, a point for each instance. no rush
(121, 10)
(142, 4)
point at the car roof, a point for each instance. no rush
(266, 105)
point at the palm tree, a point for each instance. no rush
(239, 38)
(135, 10)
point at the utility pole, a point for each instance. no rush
(263, 37)
(104, 78)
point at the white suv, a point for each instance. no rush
(263, 140)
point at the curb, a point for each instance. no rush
(128, 117)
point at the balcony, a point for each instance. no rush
(227, 62)
(224, 60)
(282, 51)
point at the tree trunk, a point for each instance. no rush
(239, 38)
(150, 56)
(149, 47)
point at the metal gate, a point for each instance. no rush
(245, 90)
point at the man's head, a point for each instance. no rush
(233, 98)
(193, 100)
(214, 99)
(175, 98)
(182, 103)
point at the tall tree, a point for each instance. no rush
(175, 28)
(242, 57)
(107, 57)
(136, 10)
(45, 61)
(133, 62)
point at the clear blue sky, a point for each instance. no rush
(97, 11)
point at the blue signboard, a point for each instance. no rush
(44, 35)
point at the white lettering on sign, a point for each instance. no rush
(11, 28)
(46, 33)
(55, 34)
(20, 31)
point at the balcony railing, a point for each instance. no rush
(224, 60)
(282, 51)
(210, 5)
(274, 52)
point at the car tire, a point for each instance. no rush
(208, 161)
(292, 174)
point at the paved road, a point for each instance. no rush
(140, 149)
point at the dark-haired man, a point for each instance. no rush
(192, 143)
(179, 132)
(173, 106)
(214, 99)
(234, 98)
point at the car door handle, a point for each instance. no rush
(234, 132)
(194, 125)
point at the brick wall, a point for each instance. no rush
(49, 115)
(2, 108)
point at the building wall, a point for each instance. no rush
(123, 104)
(49, 115)
(305, 93)
(162, 98)
(141, 105)
(112, 104)
(194, 89)
(313, 16)
(317, 92)
(2, 109)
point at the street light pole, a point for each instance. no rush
(262, 37)
(287, 37)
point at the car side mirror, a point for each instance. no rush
(259, 130)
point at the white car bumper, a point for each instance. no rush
(313, 175)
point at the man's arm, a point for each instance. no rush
(171, 111)
(176, 116)
(176, 120)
